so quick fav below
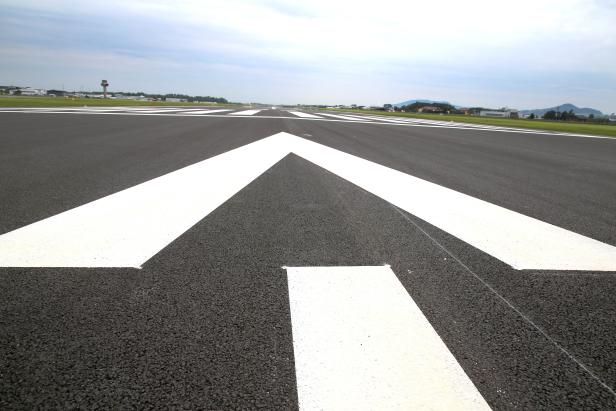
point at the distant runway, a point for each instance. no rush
(263, 258)
(275, 113)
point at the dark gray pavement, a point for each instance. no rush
(206, 323)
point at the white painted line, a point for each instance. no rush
(522, 242)
(448, 124)
(201, 112)
(245, 113)
(344, 117)
(161, 109)
(127, 228)
(97, 109)
(361, 343)
(156, 111)
(303, 115)
(371, 118)
(186, 109)
(349, 120)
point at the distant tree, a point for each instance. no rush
(387, 106)
(591, 116)
(550, 115)
(17, 93)
(445, 108)
(567, 115)
(532, 116)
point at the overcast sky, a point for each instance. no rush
(521, 54)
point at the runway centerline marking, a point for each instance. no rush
(127, 228)
(361, 343)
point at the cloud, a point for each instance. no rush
(398, 45)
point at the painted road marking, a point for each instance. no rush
(344, 117)
(156, 111)
(450, 124)
(361, 343)
(207, 111)
(245, 113)
(303, 115)
(522, 242)
(127, 228)
(388, 120)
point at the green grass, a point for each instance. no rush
(33, 101)
(560, 126)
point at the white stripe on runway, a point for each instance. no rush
(201, 112)
(343, 117)
(371, 118)
(127, 228)
(303, 115)
(157, 111)
(518, 240)
(245, 113)
(361, 343)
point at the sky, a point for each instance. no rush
(520, 54)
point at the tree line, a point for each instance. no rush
(174, 95)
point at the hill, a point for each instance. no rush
(585, 111)
(409, 102)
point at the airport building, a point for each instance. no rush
(504, 113)
(29, 91)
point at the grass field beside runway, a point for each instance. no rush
(563, 127)
(34, 101)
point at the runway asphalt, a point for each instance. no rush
(206, 322)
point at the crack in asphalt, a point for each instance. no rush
(508, 303)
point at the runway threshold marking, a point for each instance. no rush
(363, 119)
(303, 115)
(361, 343)
(201, 112)
(127, 228)
(342, 117)
(387, 120)
(158, 111)
(245, 113)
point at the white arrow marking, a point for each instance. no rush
(361, 343)
(127, 228)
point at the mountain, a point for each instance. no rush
(409, 102)
(585, 111)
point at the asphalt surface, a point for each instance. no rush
(206, 322)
